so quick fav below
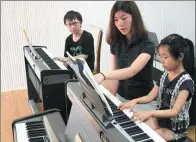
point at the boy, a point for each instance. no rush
(79, 43)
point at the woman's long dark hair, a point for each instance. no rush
(137, 27)
(177, 45)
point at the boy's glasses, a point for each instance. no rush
(72, 24)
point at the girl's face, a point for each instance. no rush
(168, 62)
(122, 21)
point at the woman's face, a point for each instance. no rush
(123, 21)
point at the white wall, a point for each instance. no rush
(166, 17)
(43, 22)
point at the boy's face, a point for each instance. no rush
(74, 26)
(168, 62)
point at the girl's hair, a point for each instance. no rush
(72, 15)
(177, 45)
(137, 27)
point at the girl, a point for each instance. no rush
(174, 90)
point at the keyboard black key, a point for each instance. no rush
(47, 59)
(140, 137)
(127, 124)
(36, 139)
(134, 130)
(122, 119)
(118, 113)
(150, 140)
(36, 131)
(35, 127)
(33, 122)
(113, 107)
(36, 135)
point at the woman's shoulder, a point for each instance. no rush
(146, 41)
(146, 46)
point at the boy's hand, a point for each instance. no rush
(61, 59)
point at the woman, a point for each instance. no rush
(131, 53)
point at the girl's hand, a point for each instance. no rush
(141, 116)
(128, 105)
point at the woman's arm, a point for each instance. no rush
(114, 85)
(125, 73)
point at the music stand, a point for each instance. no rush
(92, 96)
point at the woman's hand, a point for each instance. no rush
(128, 105)
(99, 78)
(141, 116)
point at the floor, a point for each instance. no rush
(14, 104)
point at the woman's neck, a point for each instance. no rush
(129, 37)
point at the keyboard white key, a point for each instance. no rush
(31, 132)
(21, 132)
(149, 131)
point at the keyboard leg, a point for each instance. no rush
(33, 107)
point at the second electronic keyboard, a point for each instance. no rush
(47, 126)
(45, 81)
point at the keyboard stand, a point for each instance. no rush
(33, 107)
